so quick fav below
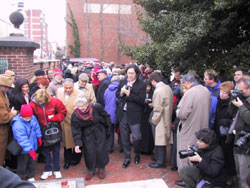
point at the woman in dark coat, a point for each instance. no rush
(20, 95)
(223, 118)
(90, 124)
(147, 142)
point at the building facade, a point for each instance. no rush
(36, 28)
(104, 25)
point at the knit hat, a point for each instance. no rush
(6, 81)
(39, 72)
(206, 135)
(57, 72)
(26, 110)
(101, 71)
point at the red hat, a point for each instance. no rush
(26, 110)
(57, 71)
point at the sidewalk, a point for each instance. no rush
(115, 173)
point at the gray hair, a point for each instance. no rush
(246, 81)
(68, 80)
(188, 78)
(83, 100)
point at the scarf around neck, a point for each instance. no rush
(86, 115)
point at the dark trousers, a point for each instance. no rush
(56, 157)
(25, 166)
(125, 136)
(160, 155)
(70, 155)
(110, 139)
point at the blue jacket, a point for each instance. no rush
(21, 130)
(214, 92)
(110, 100)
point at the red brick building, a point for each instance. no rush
(36, 28)
(103, 26)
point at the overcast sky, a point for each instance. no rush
(54, 11)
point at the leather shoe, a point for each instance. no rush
(137, 159)
(175, 168)
(74, 163)
(125, 164)
(180, 183)
(156, 165)
(66, 166)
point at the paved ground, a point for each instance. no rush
(115, 173)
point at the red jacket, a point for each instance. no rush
(54, 110)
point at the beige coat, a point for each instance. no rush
(87, 92)
(68, 141)
(193, 112)
(163, 108)
(5, 118)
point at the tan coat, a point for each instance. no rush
(5, 118)
(68, 141)
(193, 112)
(162, 117)
(87, 92)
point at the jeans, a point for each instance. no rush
(56, 157)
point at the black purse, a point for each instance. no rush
(52, 133)
(14, 148)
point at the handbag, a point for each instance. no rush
(204, 184)
(14, 148)
(52, 133)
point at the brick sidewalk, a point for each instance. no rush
(114, 171)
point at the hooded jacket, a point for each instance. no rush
(110, 100)
(54, 108)
(21, 130)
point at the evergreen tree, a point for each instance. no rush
(194, 34)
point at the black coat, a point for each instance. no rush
(17, 100)
(223, 116)
(212, 165)
(135, 101)
(101, 89)
(92, 136)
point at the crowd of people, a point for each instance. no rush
(204, 121)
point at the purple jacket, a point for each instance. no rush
(110, 100)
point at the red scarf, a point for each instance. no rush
(86, 115)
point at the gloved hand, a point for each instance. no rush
(40, 142)
(32, 154)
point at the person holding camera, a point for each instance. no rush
(208, 162)
(242, 131)
(131, 94)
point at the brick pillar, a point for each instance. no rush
(20, 60)
(19, 52)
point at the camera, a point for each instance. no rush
(243, 139)
(188, 153)
(236, 93)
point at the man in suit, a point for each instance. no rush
(131, 92)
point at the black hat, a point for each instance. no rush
(206, 135)
(39, 72)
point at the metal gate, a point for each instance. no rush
(3, 65)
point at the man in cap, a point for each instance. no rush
(6, 82)
(85, 88)
(33, 85)
(104, 83)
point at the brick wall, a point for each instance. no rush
(116, 28)
(20, 60)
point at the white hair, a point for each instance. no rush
(83, 100)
